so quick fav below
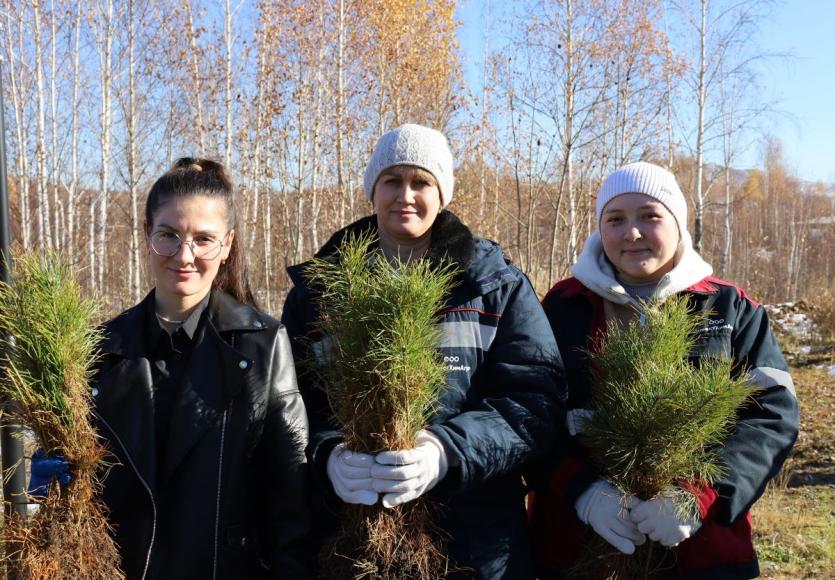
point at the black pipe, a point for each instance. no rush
(13, 473)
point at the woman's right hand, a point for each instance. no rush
(44, 469)
(603, 507)
(350, 475)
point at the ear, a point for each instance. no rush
(227, 245)
(146, 229)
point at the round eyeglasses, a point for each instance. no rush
(203, 247)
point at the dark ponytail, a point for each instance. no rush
(193, 176)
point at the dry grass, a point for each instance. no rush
(794, 522)
(795, 532)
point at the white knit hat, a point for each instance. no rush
(412, 145)
(649, 179)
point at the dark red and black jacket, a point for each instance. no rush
(765, 432)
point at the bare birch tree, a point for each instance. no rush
(44, 231)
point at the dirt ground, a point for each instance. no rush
(794, 522)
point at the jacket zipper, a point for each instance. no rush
(147, 488)
(219, 481)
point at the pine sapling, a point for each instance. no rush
(382, 372)
(660, 418)
(49, 346)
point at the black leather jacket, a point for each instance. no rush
(228, 497)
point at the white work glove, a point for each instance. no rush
(603, 507)
(657, 519)
(406, 475)
(350, 475)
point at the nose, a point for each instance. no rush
(407, 194)
(632, 233)
(181, 252)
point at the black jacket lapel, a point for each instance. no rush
(124, 403)
(200, 403)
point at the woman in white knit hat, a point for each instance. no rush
(643, 252)
(502, 403)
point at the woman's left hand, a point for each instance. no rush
(658, 520)
(406, 475)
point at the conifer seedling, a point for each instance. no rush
(660, 417)
(49, 347)
(382, 373)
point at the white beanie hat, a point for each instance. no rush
(649, 179)
(412, 145)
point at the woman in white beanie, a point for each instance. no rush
(643, 252)
(503, 400)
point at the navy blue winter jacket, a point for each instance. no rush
(503, 404)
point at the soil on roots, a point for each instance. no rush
(386, 544)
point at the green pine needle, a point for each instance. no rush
(383, 372)
(49, 345)
(658, 417)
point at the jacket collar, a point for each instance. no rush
(451, 239)
(597, 274)
(124, 333)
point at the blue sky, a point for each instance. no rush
(801, 86)
(804, 85)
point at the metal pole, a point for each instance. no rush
(14, 476)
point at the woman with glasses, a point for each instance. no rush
(196, 399)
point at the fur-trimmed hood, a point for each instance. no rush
(451, 240)
(595, 271)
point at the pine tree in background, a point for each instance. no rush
(659, 418)
(49, 346)
(382, 373)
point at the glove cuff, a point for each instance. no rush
(426, 436)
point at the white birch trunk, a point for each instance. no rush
(701, 96)
(17, 109)
(268, 249)
(43, 230)
(568, 136)
(135, 263)
(317, 128)
(340, 111)
(71, 190)
(227, 101)
(105, 59)
(59, 226)
(300, 168)
(260, 106)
